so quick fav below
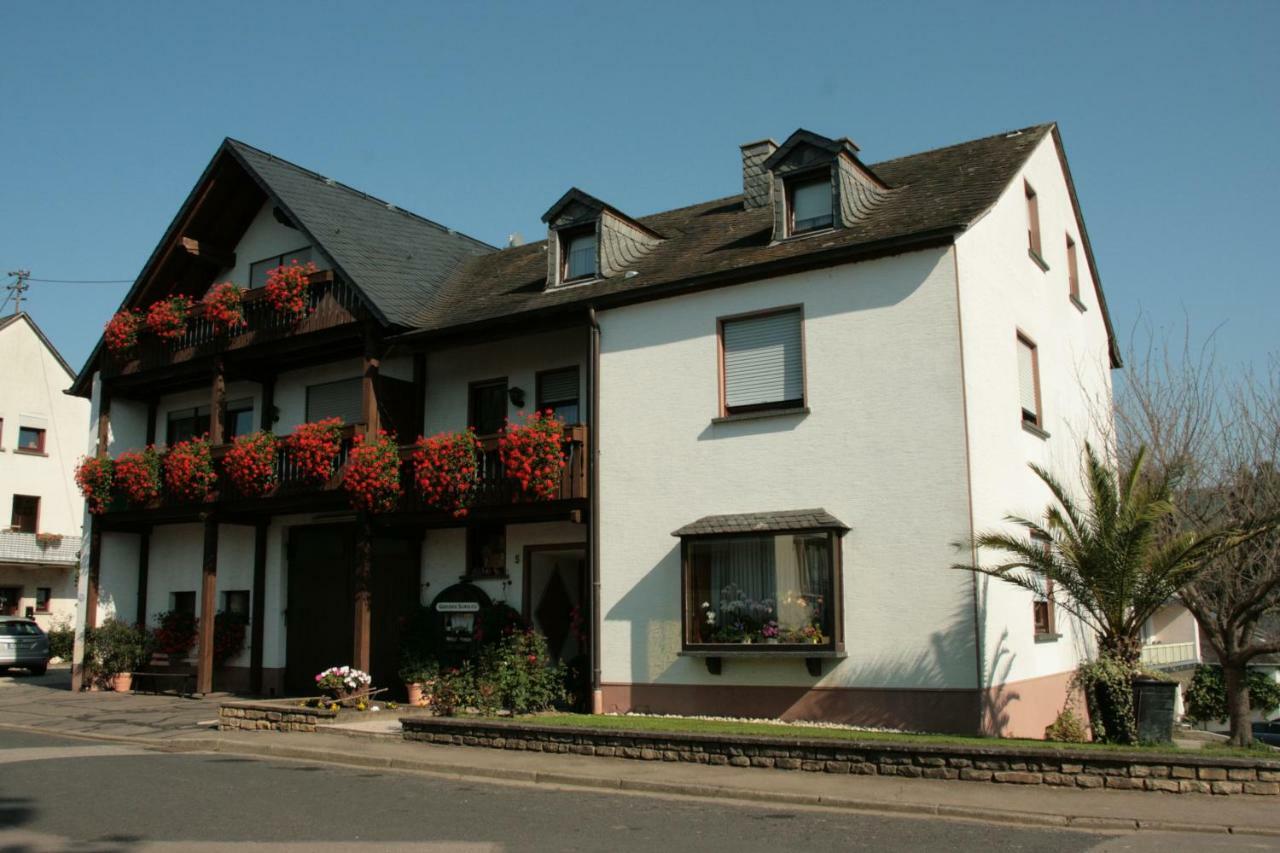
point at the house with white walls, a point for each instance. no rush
(782, 410)
(42, 434)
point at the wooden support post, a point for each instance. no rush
(218, 403)
(419, 395)
(369, 387)
(78, 672)
(153, 411)
(267, 421)
(363, 572)
(144, 569)
(257, 617)
(208, 608)
(104, 421)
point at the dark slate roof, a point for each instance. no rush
(397, 259)
(762, 522)
(934, 196)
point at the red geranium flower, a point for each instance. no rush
(372, 477)
(93, 476)
(167, 319)
(188, 470)
(287, 288)
(121, 332)
(313, 447)
(250, 464)
(224, 306)
(446, 469)
(533, 454)
(137, 475)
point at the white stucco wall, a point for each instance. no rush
(450, 372)
(444, 554)
(882, 449)
(31, 387)
(264, 238)
(61, 583)
(1003, 291)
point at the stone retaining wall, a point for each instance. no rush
(265, 716)
(1063, 768)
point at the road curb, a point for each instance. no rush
(651, 787)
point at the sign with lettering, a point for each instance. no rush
(458, 607)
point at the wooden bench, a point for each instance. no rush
(166, 670)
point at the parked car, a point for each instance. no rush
(23, 644)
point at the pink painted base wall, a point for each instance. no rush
(1024, 708)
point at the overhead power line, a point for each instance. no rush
(82, 281)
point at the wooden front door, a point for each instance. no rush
(394, 590)
(320, 614)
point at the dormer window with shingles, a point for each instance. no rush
(815, 183)
(588, 240)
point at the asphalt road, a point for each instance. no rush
(65, 794)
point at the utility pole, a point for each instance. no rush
(17, 288)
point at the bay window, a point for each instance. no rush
(762, 591)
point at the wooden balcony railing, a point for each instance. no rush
(331, 302)
(494, 489)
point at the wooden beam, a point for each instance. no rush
(419, 394)
(78, 671)
(361, 648)
(153, 411)
(258, 615)
(208, 602)
(369, 387)
(216, 256)
(218, 403)
(267, 420)
(104, 421)
(144, 570)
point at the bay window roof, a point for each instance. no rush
(762, 522)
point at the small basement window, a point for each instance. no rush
(809, 205)
(762, 591)
(579, 255)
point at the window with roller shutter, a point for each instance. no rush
(1029, 381)
(341, 399)
(762, 361)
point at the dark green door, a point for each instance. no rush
(320, 614)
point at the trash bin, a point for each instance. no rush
(1153, 705)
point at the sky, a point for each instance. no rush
(480, 115)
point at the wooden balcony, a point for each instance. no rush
(332, 303)
(496, 496)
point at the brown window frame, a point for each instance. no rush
(35, 514)
(835, 643)
(566, 237)
(1073, 271)
(782, 406)
(1043, 613)
(472, 387)
(794, 182)
(1034, 246)
(1037, 420)
(48, 599)
(40, 439)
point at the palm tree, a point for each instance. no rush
(1114, 558)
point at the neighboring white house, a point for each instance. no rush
(42, 434)
(790, 405)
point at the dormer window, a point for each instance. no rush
(579, 255)
(809, 204)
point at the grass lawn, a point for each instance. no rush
(696, 725)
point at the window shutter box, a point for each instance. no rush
(762, 360)
(341, 399)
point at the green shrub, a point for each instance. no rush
(115, 647)
(417, 668)
(1108, 690)
(517, 674)
(62, 641)
(1206, 697)
(1067, 728)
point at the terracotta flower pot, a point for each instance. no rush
(122, 682)
(415, 694)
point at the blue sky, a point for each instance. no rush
(480, 115)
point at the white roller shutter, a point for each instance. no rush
(335, 399)
(1027, 378)
(762, 360)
